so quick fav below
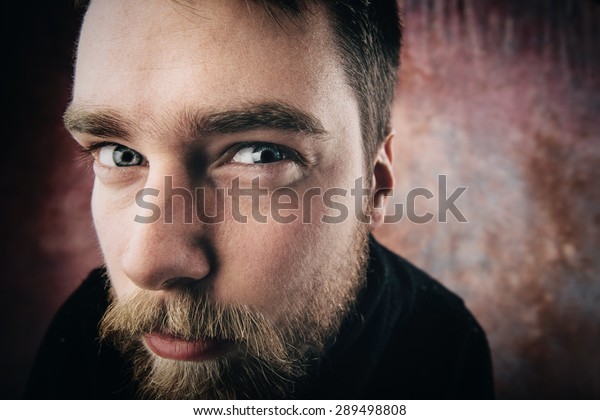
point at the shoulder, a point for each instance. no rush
(81, 312)
(425, 300)
(437, 348)
(71, 363)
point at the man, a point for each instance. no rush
(230, 143)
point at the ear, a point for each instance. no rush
(383, 181)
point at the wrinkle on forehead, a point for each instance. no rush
(161, 30)
(272, 20)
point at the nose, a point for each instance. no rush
(172, 251)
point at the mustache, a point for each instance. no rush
(190, 315)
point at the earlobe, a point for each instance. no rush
(383, 180)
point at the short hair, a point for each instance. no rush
(368, 37)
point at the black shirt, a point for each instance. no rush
(409, 338)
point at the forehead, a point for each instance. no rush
(149, 56)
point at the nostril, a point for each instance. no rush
(167, 284)
(178, 282)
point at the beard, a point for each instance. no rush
(268, 359)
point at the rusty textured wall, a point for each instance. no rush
(502, 96)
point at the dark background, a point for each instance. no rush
(502, 96)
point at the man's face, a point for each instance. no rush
(201, 96)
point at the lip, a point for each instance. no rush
(169, 346)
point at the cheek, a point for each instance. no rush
(273, 265)
(111, 224)
(263, 265)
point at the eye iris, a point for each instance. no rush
(269, 155)
(125, 157)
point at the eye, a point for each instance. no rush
(261, 154)
(117, 155)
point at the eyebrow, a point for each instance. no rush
(99, 123)
(106, 123)
(271, 115)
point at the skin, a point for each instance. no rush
(150, 61)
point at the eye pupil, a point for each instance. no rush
(127, 156)
(269, 156)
